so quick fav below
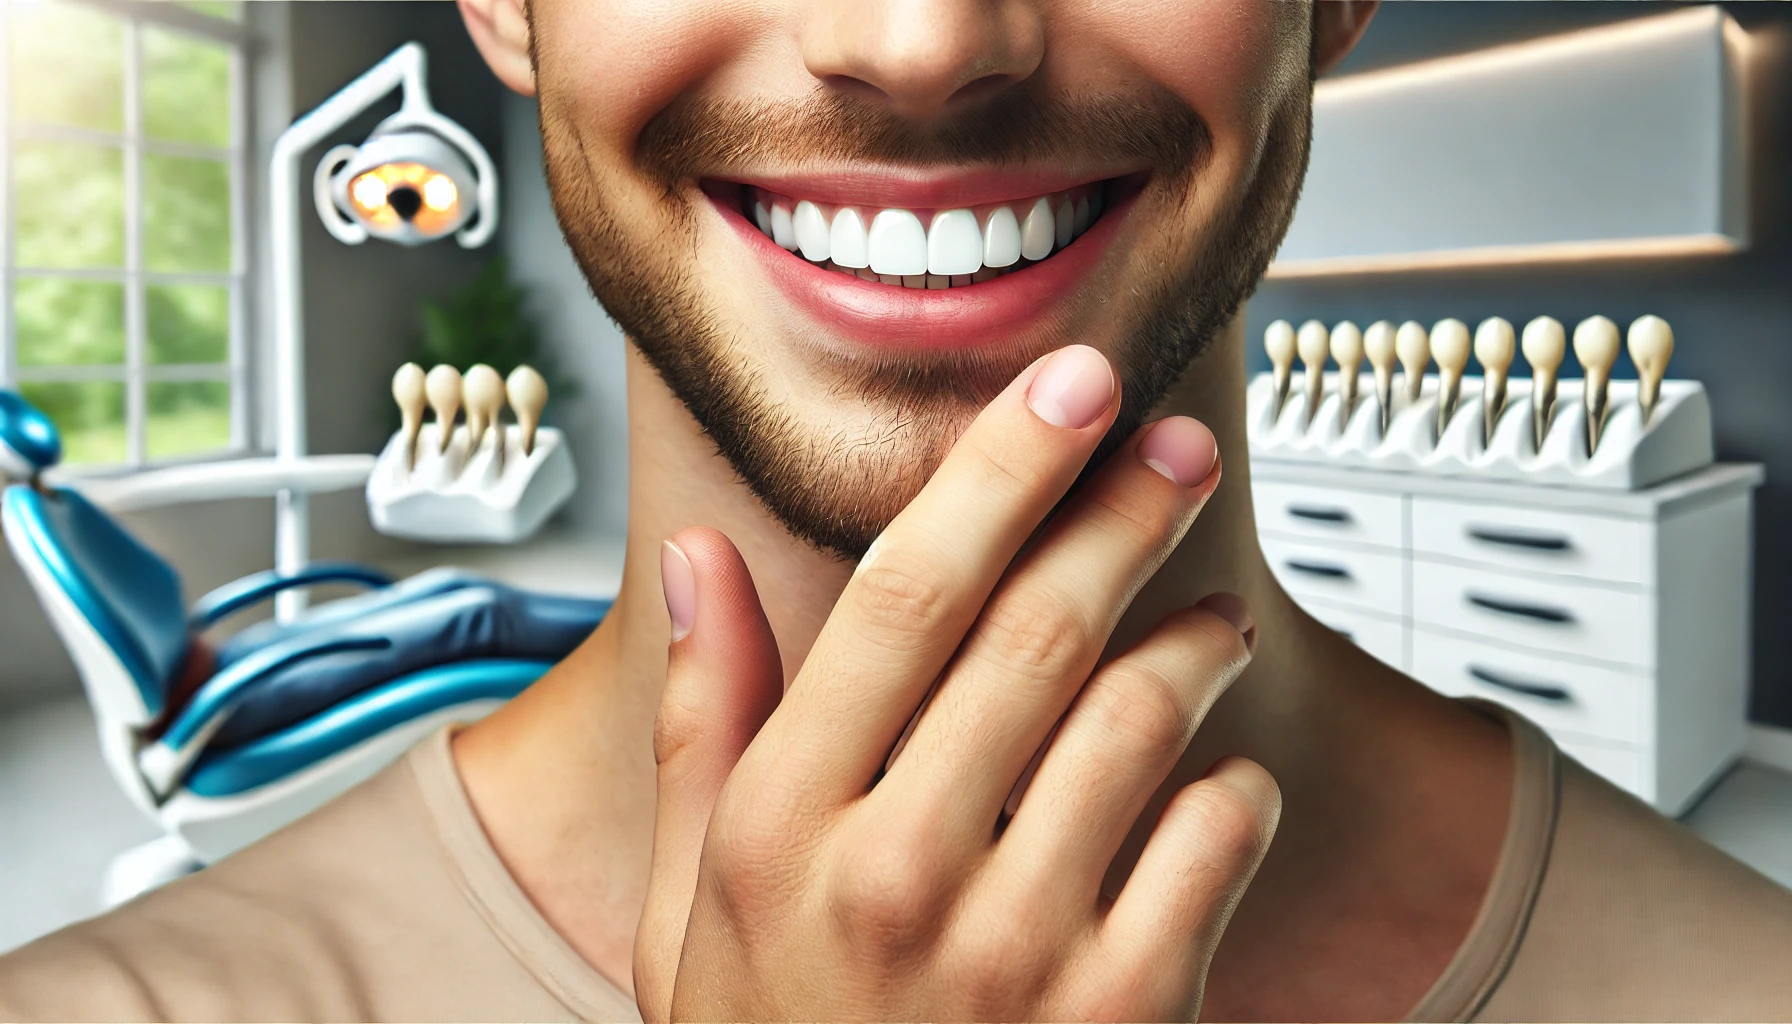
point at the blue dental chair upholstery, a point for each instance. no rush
(224, 745)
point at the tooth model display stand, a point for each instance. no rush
(457, 496)
(1606, 597)
(1631, 455)
(482, 482)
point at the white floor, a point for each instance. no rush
(62, 819)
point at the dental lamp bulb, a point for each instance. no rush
(407, 186)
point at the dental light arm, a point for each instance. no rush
(405, 70)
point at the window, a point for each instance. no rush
(123, 166)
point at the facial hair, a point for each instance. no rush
(838, 488)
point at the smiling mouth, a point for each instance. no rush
(927, 248)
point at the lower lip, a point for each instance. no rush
(885, 316)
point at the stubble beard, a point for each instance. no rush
(837, 486)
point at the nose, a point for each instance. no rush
(922, 57)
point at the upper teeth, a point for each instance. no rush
(894, 243)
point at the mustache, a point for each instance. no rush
(697, 136)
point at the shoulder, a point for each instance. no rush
(1637, 918)
(353, 912)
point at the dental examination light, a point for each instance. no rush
(418, 177)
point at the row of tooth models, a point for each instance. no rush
(948, 248)
(1619, 434)
(484, 481)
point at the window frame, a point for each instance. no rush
(136, 373)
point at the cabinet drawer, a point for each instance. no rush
(1604, 703)
(1330, 513)
(1624, 767)
(1360, 579)
(1532, 611)
(1384, 639)
(1537, 540)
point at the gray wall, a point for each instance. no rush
(1730, 314)
(360, 309)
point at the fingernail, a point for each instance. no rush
(1231, 608)
(680, 585)
(1180, 448)
(1073, 388)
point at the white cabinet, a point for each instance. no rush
(1617, 621)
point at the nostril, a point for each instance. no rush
(980, 89)
(405, 201)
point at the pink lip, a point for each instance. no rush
(884, 316)
(923, 190)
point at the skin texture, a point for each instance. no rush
(1392, 801)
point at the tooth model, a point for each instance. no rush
(442, 387)
(1314, 344)
(1544, 343)
(407, 391)
(484, 393)
(1596, 346)
(1494, 348)
(528, 396)
(1347, 349)
(1278, 342)
(1378, 345)
(1414, 349)
(1651, 346)
(1450, 348)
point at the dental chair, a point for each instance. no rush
(223, 743)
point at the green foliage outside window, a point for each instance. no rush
(66, 69)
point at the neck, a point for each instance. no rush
(580, 845)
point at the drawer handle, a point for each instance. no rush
(1533, 541)
(1539, 613)
(1320, 515)
(1541, 691)
(1345, 633)
(1334, 572)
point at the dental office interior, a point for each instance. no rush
(1518, 417)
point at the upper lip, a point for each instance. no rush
(920, 188)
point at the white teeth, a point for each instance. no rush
(783, 232)
(811, 231)
(950, 251)
(1037, 232)
(847, 239)
(1001, 239)
(954, 245)
(898, 243)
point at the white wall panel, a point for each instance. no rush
(1618, 140)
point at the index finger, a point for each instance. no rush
(926, 577)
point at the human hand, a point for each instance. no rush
(801, 870)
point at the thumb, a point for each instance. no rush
(723, 679)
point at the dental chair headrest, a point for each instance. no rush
(29, 443)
